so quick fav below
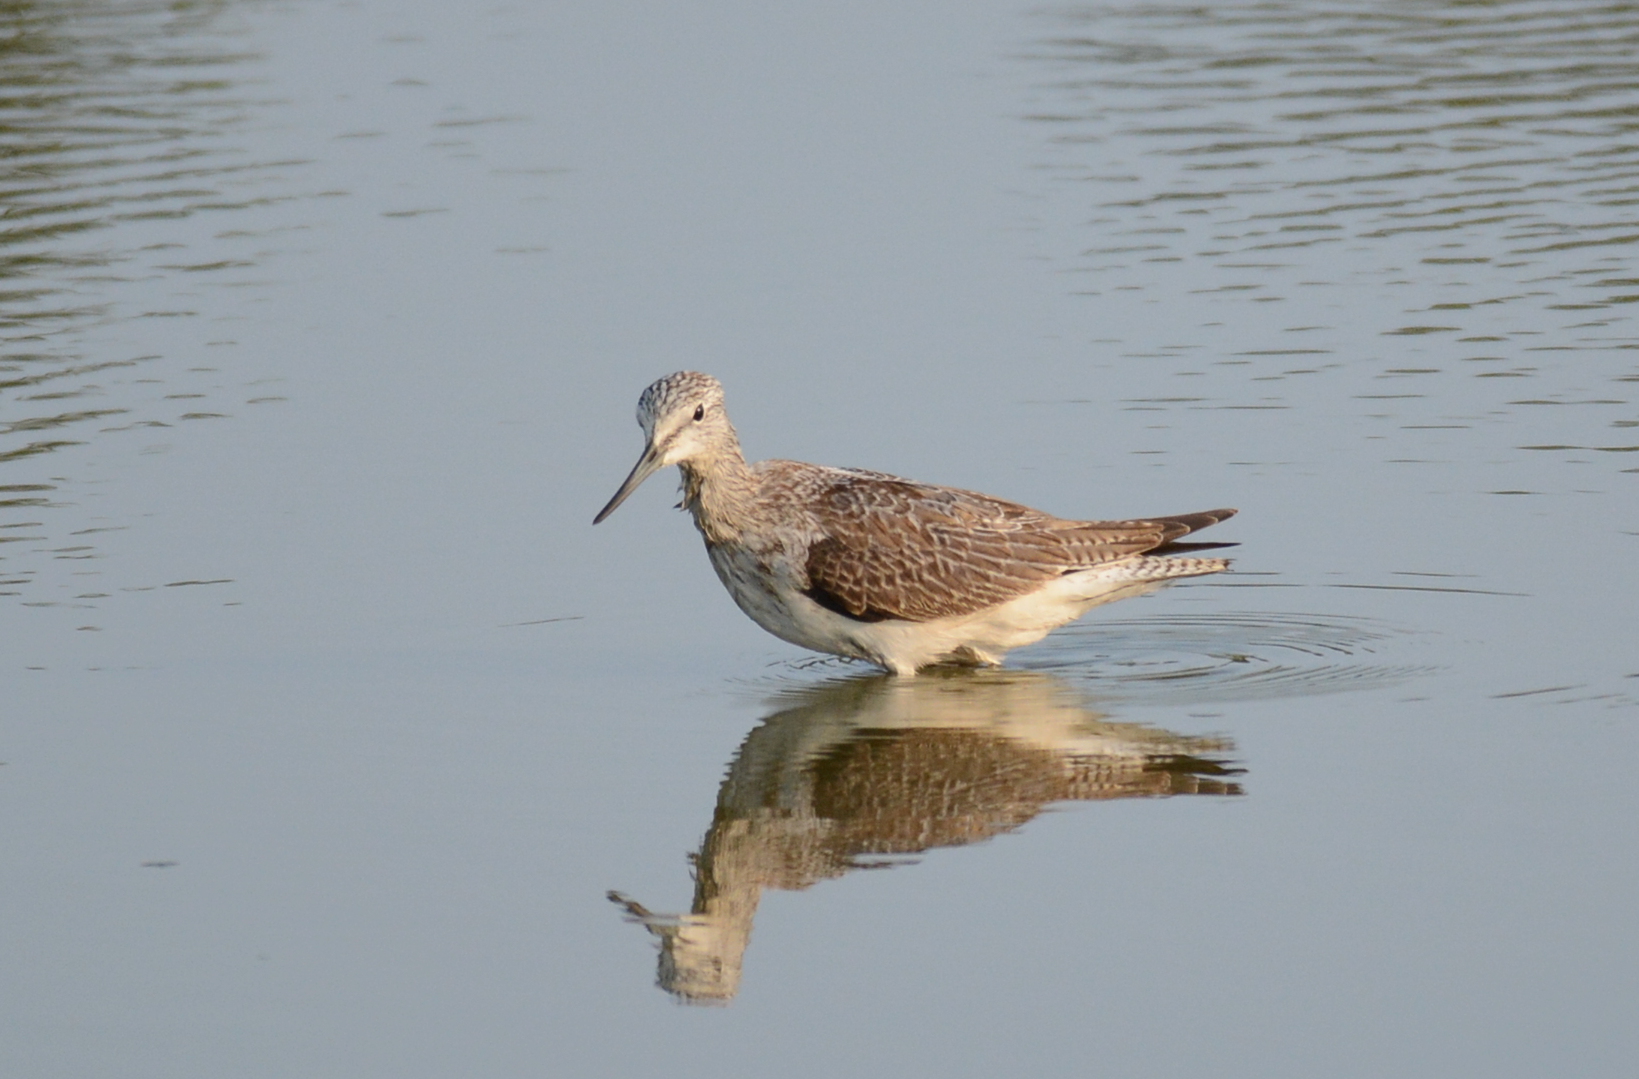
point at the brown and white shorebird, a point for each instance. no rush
(874, 567)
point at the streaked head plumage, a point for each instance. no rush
(679, 392)
(683, 421)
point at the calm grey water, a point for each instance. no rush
(330, 722)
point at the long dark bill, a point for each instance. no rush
(646, 466)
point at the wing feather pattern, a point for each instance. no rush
(894, 549)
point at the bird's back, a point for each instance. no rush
(880, 547)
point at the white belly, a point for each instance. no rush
(766, 590)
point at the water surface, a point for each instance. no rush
(331, 723)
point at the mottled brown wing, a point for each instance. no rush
(896, 549)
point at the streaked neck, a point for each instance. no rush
(721, 491)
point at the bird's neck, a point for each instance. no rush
(721, 491)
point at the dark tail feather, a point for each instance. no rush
(1175, 547)
(1185, 523)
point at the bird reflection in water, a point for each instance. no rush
(862, 772)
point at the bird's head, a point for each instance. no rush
(683, 420)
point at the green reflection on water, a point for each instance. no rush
(120, 122)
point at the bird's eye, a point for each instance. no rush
(699, 413)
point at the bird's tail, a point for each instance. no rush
(1146, 568)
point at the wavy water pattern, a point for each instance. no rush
(121, 121)
(1452, 187)
(1236, 656)
(1179, 660)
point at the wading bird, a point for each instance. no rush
(874, 567)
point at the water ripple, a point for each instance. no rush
(121, 121)
(1236, 656)
(1425, 177)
